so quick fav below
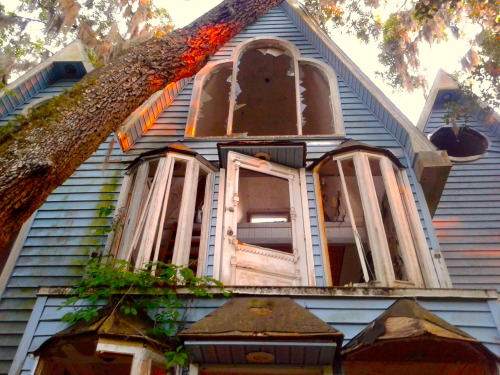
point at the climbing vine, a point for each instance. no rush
(153, 289)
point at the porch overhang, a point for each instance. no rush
(409, 339)
(262, 331)
(262, 352)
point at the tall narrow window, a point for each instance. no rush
(165, 209)
(367, 235)
(265, 101)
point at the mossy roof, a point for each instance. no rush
(256, 318)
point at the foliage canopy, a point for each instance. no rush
(399, 28)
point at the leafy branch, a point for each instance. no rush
(152, 289)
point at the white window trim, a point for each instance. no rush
(203, 74)
(413, 249)
(142, 356)
(303, 260)
(128, 236)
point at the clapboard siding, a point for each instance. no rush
(42, 91)
(349, 315)
(209, 269)
(467, 220)
(360, 122)
(315, 232)
(66, 230)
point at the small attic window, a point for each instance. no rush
(266, 89)
(466, 145)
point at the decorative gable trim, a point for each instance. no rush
(398, 124)
(25, 87)
(443, 81)
(144, 117)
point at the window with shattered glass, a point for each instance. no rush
(265, 90)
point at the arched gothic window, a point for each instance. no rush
(265, 89)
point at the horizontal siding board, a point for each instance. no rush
(468, 216)
(348, 315)
(65, 230)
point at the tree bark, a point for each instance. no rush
(41, 158)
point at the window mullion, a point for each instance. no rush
(400, 220)
(374, 222)
(232, 97)
(298, 95)
(357, 237)
(186, 216)
(132, 214)
(157, 207)
(145, 212)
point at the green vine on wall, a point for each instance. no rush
(153, 289)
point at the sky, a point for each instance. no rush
(445, 55)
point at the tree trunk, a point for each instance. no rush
(45, 152)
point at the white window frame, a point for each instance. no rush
(408, 228)
(227, 251)
(142, 355)
(293, 51)
(154, 207)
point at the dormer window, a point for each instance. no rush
(265, 89)
(370, 235)
(166, 209)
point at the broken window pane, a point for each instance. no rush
(170, 214)
(265, 102)
(344, 224)
(141, 190)
(214, 102)
(393, 242)
(199, 207)
(78, 357)
(317, 116)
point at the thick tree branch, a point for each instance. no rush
(45, 152)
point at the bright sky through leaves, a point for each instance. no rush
(445, 55)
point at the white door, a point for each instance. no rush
(263, 227)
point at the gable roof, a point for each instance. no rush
(443, 84)
(70, 62)
(400, 127)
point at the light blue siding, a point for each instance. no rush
(349, 315)
(66, 230)
(209, 270)
(315, 232)
(360, 122)
(467, 219)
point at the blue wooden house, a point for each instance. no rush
(354, 242)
